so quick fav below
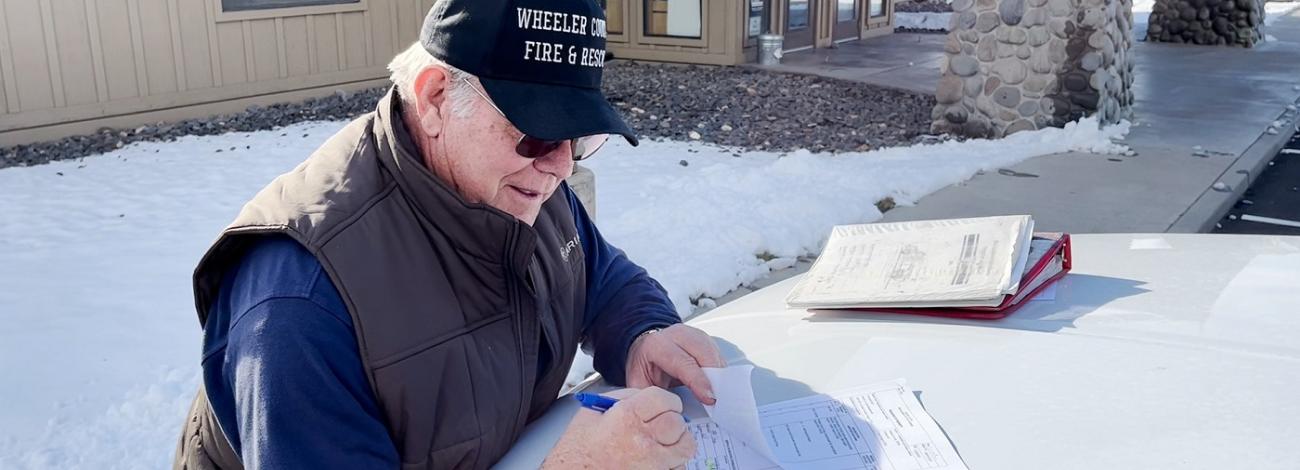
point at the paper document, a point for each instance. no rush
(877, 427)
(912, 263)
(738, 412)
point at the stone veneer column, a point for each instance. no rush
(583, 184)
(1207, 22)
(1016, 65)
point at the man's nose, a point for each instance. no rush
(558, 162)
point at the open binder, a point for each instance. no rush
(1052, 266)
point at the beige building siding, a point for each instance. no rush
(72, 66)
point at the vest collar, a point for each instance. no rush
(479, 229)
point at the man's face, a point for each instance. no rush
(476, 156)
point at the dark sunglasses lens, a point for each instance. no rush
(532, 147)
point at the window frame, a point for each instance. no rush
(621, 36)
(223, 16)
(884, 9)
(643, 36)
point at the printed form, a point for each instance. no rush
(877, 427)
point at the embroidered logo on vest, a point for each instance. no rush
(568, 247)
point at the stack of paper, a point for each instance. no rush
(877, 427)
(988, 263)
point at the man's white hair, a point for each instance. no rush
(406, 67)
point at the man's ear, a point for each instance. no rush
(431, 87)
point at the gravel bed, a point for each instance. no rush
(732, 106)
(923, 6)
(339, 106)
(918, 31)
(751, 109)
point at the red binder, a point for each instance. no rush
(1011, 302)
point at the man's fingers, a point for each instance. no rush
(637, 381)
(683, 450)
(667, 428)
(702, 347)
(682, 366)
(649, 403)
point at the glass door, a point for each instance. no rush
(799, 18)
(846, 20)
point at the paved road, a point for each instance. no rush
(1275, 194)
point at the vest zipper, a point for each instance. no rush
(512, 286)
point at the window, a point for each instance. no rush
(757, 17)
(798, 14)
(679, 18)
(846, 10)
(244, 5)
(876, 7)
(613, 16)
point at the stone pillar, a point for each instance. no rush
(1207, 22)
(1014, 65)
(583, 183)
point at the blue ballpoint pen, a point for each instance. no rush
(601, 403)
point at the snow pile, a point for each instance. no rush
(1274, 10)
(100, 344)
(138, 432)
(930, 21)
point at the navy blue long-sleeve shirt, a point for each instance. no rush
(284, 376)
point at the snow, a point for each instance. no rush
(933, 21)
(1274, 10)
(100, 342)
(1141, 17)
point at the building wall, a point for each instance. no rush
(72, 66)
(719, 42)
(725, 40)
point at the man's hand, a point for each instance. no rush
(644, 429)
(677, 352)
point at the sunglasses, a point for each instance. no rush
(532, 147)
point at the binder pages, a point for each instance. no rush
(966, 262)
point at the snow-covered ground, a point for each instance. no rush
(99, 343)
(931, 21)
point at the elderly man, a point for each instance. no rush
(413, 294)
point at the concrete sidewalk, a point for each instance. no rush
(902, 61)
(1202, 117)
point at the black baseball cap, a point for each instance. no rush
(539, 60)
